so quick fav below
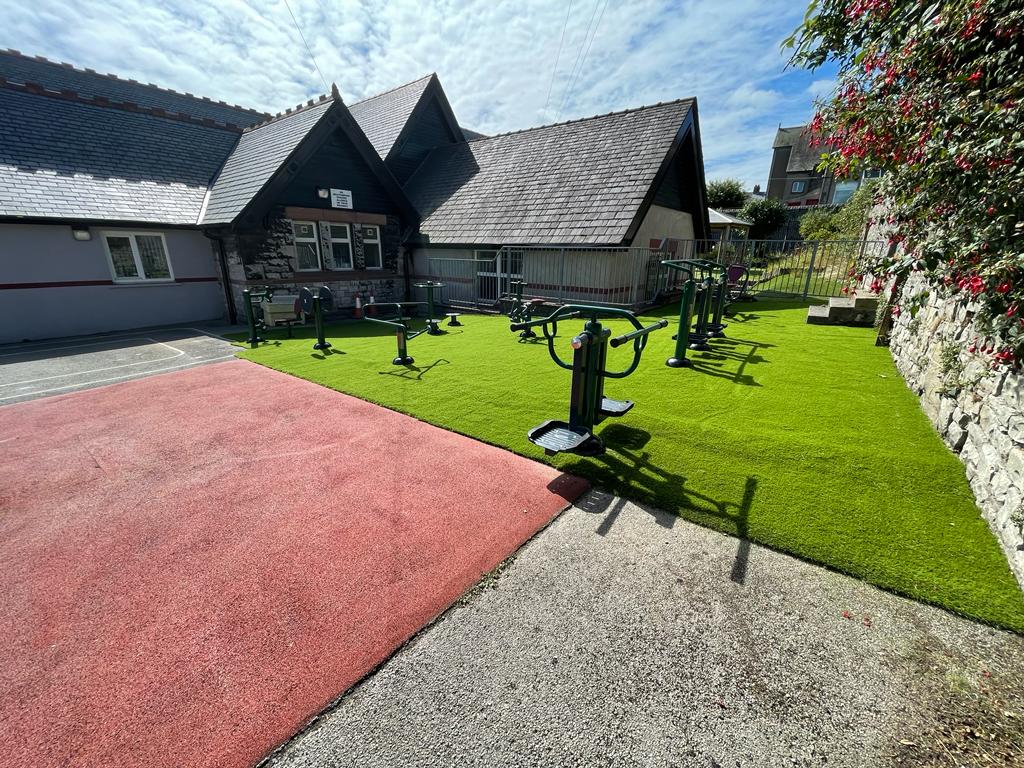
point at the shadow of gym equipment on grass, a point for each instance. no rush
(408, 371)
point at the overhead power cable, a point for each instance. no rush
(308, 49)
(558, 55)
(577, 71)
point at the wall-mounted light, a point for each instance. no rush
(80, 232)
(323, 193)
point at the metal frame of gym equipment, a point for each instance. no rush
(587, 404)
(520, 311)
(256, 325)
(704, 296)
(400, 323)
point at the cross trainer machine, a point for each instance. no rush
(706, 294)
(312, 301)
(315, 302)
(587, 404)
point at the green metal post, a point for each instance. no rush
(250, 318)
(403, 351)
(318, 318)
(678, 360)
(717, 328)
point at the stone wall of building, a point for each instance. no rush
(977, 408)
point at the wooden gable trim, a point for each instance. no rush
(337, 117)
(700, 216)
(435, 91)
(333, 214)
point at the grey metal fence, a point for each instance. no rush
(634, 277)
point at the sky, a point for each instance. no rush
(504, 65)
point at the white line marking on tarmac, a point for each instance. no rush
(178, 353)
(88, 384)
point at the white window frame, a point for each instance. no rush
(315, 240)
(377, 241)
(802, 183)
(347, 239)
(131, 235)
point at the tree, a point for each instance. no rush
(765, 216)
(932, 94)
(726, 193)
(844, 223)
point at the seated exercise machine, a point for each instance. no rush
(587, 404)
(311, 301)
(520, 311)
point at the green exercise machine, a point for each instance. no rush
(251, 299)
(587, 404)
(522, 311)
(316, 301)
(312, 301)
(403, 331)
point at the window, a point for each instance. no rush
(798, 187)
(307, 246)
(844, 191)
(340, 256)
(371, 247)
(137, 256)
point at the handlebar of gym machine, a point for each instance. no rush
(638, 333)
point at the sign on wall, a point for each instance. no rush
(341, 198)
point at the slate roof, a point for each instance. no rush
(260, 152)
(382, 117)
(802, 157)
(580, 182)
(66, 159)
(18, 68)
(717, 217)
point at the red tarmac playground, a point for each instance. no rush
(195, 564)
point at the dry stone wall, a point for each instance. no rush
(978, 409)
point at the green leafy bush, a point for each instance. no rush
(726, 193)
(765, 216)
(932, 94)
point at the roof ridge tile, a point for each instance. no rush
(37, 89)
(289, 111)
(584, 119)
(392, 90)
(162, 89)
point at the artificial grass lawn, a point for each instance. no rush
(800, 437)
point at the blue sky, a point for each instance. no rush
(504, 65)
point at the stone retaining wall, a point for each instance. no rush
(978, 410)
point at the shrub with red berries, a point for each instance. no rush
(932, 94)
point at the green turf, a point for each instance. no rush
(800, 437)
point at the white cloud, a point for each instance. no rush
(494, 59)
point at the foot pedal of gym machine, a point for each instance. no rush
(611, 407)
(556, 437)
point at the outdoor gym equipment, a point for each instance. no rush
(315, 302)
(432, 322)
(520, 311)
(587, 404)
(256, 324)
(402, 331)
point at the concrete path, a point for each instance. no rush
(621, 636)
(42, 369)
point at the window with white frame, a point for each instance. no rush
(340, 256)
(137, 256)
(307, 246)
(798, 187)
(371, 247)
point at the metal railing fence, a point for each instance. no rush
(634, 277)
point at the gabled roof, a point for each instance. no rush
(585, 181)
(802, 156)
(64, 157)
(382, 117)
(19, 68)
(717, 217)
(260, 152)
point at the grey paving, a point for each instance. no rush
(33, 370)
(623, 636)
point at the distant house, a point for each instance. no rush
(794, 178)
(124, 205)
(726, 227)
